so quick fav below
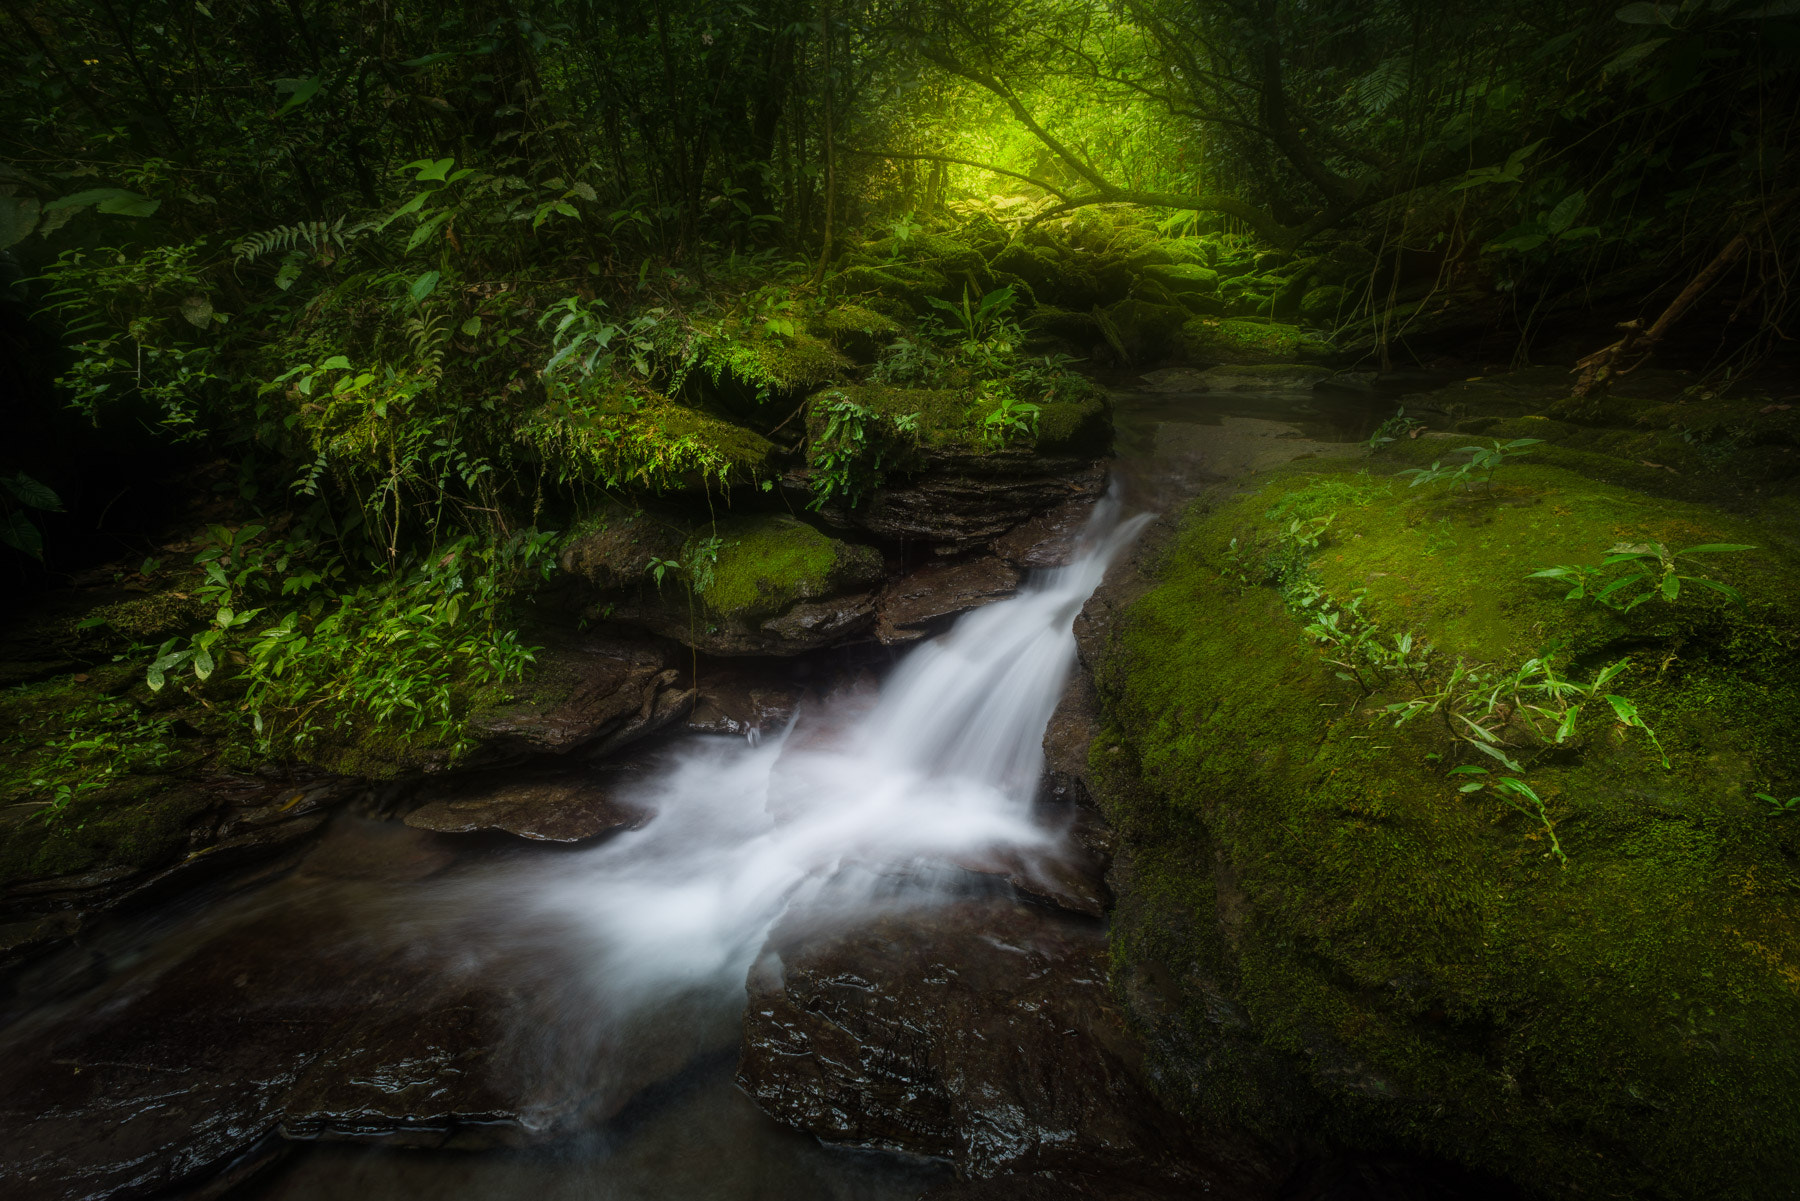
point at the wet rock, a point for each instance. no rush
(738, 701)
(982, 1033)
(769, 585)
(328, 1008)
(225, 823)
(967, 500)
(584, 689)
(1242, 340)
(915, 605)
(1047, 540)
(1174, 379)
(561, 806)
(1264, 377)
(615, 546)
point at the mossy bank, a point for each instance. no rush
(1319, 934)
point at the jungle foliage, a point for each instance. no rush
(432, 278)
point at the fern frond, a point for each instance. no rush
(316, 236)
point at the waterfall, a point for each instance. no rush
(844, 812)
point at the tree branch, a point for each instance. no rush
(1049, 187)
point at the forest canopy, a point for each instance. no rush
(412, 286)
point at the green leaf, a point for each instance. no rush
(1565, 212)
(18, 532)
(303, 90)
(203, 662)
(1496, 752)
(1624, 710)
(424, 286)
(1631, 56)
(471, 327)
(427, 169)
(31, 493)
(18, 217)
(197, 311)
(1468, 770)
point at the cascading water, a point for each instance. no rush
(842, 813)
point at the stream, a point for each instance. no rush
(418, 1015)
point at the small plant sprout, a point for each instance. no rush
(1395, 428)
(1779, 808)
(1516, 793)
(1653, 570)
(1483, 461)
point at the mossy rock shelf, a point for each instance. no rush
(1319, 935)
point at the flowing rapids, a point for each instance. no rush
(862, 805)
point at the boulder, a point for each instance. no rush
(920, 602)
(739, 700)
(982, 1033)
(614, 547)
(1236, 340)
(966, 500)
(585, 691)
(1184, 278)
(763, 585)
(1047, 540)
(1319, 927)
(1320, 305)
(565, 805)
(1144, 332)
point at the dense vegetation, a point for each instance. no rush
(337, 334)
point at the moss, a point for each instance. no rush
(855, 329)
(1410, 967)
(768, 363)
(613, 546)
(1235, 340)
(1079, 420)
(142, 822)
(1145, 331)
(908, 283)
(765, 564)
(1181, 278)
(155, 616)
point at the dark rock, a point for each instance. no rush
(968, 500)
(228, 822)
(314, 1013)
(737, 701)
(1265, 377)
(982, 1033)
(614, 547)
(1174, 379)
(562, 806)
(1047, 540)
(913, 606)
(811, 625)
(584, 688)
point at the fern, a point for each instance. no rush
(316, 236)
(1389, 81)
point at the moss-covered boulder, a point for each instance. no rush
(1181, 278)
(1238, 340)
(1322, 929)
(1143, 332)
(908, 283)
(614, 546)
(855, 329)
(1320, 305)
(757, 366)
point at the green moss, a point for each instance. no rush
(141, 822)
(765, 564)
(904, 282)
(151, 617)
(1181, 278)
(1236, 340)
(856, 329)
(1409, 965)
(766, 363)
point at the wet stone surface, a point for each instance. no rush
(571, 804)
(346, 1002)
(923, 602)
(982, 1033)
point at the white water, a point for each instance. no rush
(845, 812)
